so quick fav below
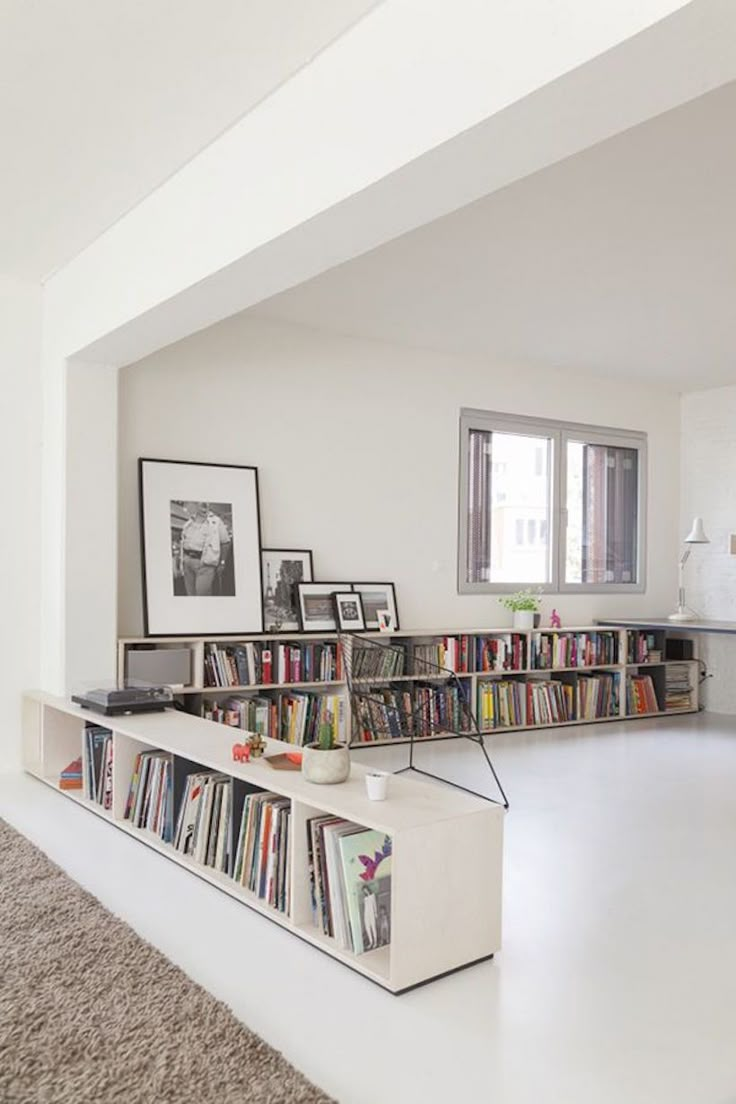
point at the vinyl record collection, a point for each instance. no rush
(150, 796)
(203, 821)
(98, 764)
(263, 848)
(350, 882)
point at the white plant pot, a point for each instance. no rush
(325, 767)
(523, 619)
(377, 786)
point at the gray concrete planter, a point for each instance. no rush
(325, 767)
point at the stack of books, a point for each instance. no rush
(203, 824)
(640, 695)
(71, 776)
(150, 796)
(350, 882)
(98, 764)
(263, 848)
(678, 691)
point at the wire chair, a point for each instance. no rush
(387, 705)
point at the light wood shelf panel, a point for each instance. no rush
(445, 819)
(472, 678)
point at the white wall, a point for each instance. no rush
(356, 444)
(709, 489)
(20, 556)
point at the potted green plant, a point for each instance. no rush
(325, 761)
(524, 605)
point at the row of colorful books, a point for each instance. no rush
(641, 696)
(350, 882)
(295, 717)
(393, 713)
(550, 650)
(302, 717)
(378, 662)
(643, 647)
(450, 652)
(439, 709)
(507, 703)
(383, 713)
(151, 794)
(263, 664)
(203, 824)
(678, 688)
(98, 764)
(263, 848)
(597, 696)
(504, 652)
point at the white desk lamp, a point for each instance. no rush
(695, 536)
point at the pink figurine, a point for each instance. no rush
(241, 753)
(554, 621)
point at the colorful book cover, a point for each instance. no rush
(366, 866)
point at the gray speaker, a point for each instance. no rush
(159, 666)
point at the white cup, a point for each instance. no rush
(377, 786)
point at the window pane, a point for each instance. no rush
(602, 513)
(508, 508)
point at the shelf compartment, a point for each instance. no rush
(62, 741)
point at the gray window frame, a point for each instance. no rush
(560, 433)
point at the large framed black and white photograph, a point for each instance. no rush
(317, 606)
(283, 570)
(201, 548)
(377, 596)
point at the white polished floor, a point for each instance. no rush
(617, 980)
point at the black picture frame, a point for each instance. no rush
(272, 604)
(341, 597)
(178, 598)
(388, 601)
(324, 591)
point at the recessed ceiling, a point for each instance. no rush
(618, 261)
(102, 101)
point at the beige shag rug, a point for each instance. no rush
(89, 1012)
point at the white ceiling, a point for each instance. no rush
(102, 100)
(618, 261)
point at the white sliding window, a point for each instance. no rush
(552, 504)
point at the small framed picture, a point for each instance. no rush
(317, 607)
(377, 596)
(282, 570)
(349, 611)
(385, 621)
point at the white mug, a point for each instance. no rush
(377, 786)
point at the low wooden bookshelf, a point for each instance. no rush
(633, 654)
(447, 846)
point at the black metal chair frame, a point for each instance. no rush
(374, 714)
